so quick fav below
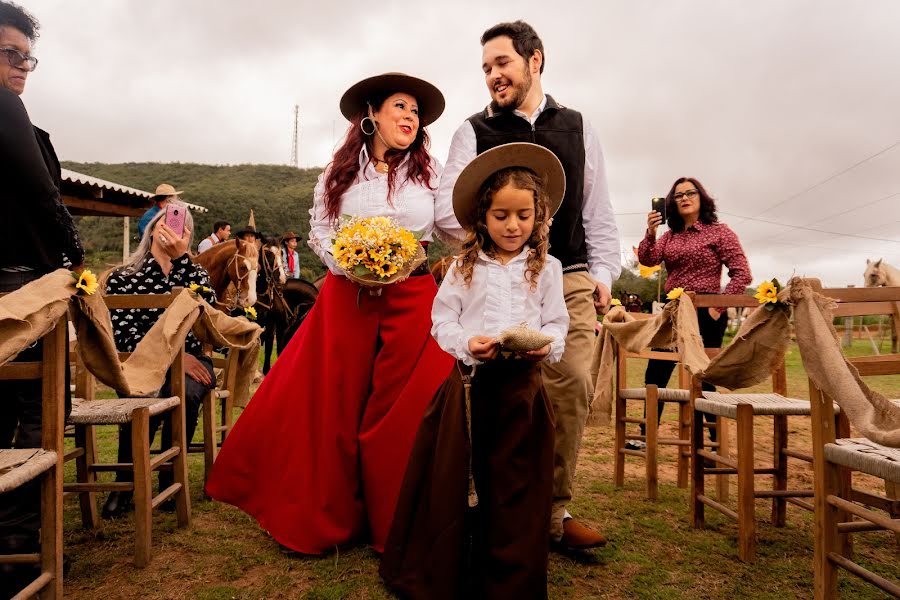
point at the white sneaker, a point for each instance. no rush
(635, 445)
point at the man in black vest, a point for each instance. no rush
(583, 235)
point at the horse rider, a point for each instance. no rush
(290, 257)
(164, 194)
(221, 232)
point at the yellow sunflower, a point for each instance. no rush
(87, 282)
(675, 293)
(766, 292)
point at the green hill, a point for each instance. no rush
(280, 197)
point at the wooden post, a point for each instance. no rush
(126, 238)
(746, 496)
(848, 330)
(651, 408)
(697, 468)
(143, 493)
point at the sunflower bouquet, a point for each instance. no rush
(376, 251)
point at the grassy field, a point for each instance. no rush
(654, 552)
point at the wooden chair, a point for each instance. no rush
(20, 466)
(650, 396)
(214, 434)
(841, 510)
(88, 413)
(743, 408)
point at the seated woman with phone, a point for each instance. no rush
(160, 263)
(695, 249)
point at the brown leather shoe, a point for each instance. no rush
(580, 537)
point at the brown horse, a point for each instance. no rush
(440, 267)
(234, 262)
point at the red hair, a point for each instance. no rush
(343, 170)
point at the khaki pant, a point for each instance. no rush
(569, 387)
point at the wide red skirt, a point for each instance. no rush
(318, 455)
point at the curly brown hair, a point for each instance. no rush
(478, 238)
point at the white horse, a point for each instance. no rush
(879, 273)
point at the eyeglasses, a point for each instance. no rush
(690, 195)
(16, 58)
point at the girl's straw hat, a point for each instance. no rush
(428, 97)
(519, 154)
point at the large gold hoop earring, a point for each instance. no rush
(362, 126)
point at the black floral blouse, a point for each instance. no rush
(130, 325)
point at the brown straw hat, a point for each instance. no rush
(164, 189)
(519, 154)
(428, 97)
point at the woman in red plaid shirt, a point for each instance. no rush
(695, 249)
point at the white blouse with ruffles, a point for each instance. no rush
(414, 207)
(498, 297)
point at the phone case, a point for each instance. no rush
(659, 205)
(175, 218)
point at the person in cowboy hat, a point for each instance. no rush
(479, 529)
(583, 236)
(164, 193)
(318, 455)
(249, 234)
(289, 255)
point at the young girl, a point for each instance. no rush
(449, 540)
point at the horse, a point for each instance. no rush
(234, 262)
(880, 274)
(279, 308)
(440, 267)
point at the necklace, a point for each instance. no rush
(380, 165)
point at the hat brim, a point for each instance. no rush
(534, 157)
(428, 97)
(244, 231)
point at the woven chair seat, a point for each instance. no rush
(861, 454)
(673, 394)
(21, 466)
(725, 405)
(116, 411)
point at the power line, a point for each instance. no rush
(838, 233)
(827, 179)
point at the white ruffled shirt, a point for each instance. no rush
(498, 297)
(414, 207)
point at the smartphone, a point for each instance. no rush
(175, 218)
(659, 205)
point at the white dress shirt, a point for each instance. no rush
(499, 297)
(412, 206)
(601, 234)
(207, 243)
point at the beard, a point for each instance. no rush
(517, 96)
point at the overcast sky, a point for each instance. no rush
(787, 110)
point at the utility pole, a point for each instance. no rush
(295, 160)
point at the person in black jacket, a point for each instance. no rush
(38, 236)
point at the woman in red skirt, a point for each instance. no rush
(318, 455)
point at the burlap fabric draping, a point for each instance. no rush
(30, 312)
(873, 415)
(674, 328)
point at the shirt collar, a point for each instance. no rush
(537, 111)
(365, 166)
(698, 226)
(518, 258)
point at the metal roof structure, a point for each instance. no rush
(86, 195)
